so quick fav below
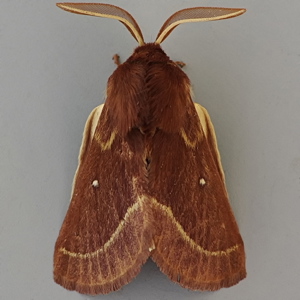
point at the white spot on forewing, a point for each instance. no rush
(95, 183)
(202, 181)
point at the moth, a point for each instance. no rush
(149, 181)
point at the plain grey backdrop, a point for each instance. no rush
(246, 71)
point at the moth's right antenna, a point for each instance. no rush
(196, 14)
(106, 11)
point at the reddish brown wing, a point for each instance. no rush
(105, 237)
(198, 243)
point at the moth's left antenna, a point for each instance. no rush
(106, 11)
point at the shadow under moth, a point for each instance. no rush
(149, 181)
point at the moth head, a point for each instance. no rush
(194, 14)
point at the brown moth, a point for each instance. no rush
(150, 181)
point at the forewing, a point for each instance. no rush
(105, 237)
(198, 243)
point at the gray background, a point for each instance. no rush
(53, 70)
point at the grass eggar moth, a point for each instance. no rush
(149, 181)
